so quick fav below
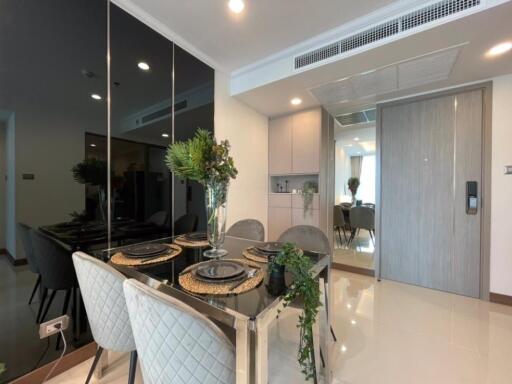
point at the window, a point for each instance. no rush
(366, 190)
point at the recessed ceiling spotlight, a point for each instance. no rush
(165, 135)
(356, 138)
(92, 145)
(236, 6)
(499, 49)
(144, 66)
(95, 96)
(296, 101)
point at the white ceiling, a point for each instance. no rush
(365, 145)
(265, 27)
(475, 34)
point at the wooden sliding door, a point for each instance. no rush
(430, 150)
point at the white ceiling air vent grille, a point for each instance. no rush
(362, 117)
(392, 27)
(317, 55)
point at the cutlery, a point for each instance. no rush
(250, 275)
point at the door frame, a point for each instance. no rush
(485, 199)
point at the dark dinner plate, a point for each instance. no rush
(196, 236)
(220, 270)
(271, 247)
(146, 250)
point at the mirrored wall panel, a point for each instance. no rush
(52, 100)
(59, 183)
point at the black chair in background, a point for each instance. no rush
(26, 240)
(57, 271)
(339, 222)
(185, 224)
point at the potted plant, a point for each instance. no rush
(203, 160)
(93, 172)
(309, 188)
(353, 185)
(305, 287)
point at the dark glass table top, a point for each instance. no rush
(249, 304)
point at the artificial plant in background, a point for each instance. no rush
(306, 288)
(204, 160)
(93, 172)
(309, 188)
(353, 185)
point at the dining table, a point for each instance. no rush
(247, 317)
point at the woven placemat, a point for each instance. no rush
(120, 259)
(192, 285)
(185, 243)
(251, 256)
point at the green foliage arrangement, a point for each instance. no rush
(353, 185)
(309, 188)
(306, 288)
(91, 172)
(202, 159)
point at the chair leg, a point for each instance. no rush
(345, 234)
(94, 363)
(35, 289)
(133, 367)
(50, 300)
(315, 380)
(339, 235)
(41, 304)
(64, 311)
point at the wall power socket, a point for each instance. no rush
(51, 327)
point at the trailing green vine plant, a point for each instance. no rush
(305, 287)
(309, 188)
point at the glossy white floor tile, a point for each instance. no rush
(359, 253)
(390, 333)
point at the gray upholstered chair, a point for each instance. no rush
(308, 238)
(362, 218)
(176, 344)
(247, 229)
(101, 287)
(26, 240)
(159, 218)
(339, 222)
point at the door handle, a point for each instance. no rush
(471, 197)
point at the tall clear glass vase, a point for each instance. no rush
(216, 211)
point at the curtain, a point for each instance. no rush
(356, 164)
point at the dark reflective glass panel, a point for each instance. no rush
(141, 129)
(52, 60)
(194, 108)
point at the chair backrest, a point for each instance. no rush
(53, 261)
(247, 229)
(26, 240)
(101, 287)
(362, 217)
(159, 218)
(308, 238)
(185, 224)
(175, 343)
(338, 217)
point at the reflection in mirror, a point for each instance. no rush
(52, 99)
(194, 95)
(141, 129)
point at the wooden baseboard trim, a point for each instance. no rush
(68, 361)
(500, 299)
(352, 269)
(14, 262)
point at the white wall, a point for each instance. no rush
(501, 207)
(342, 172)
(247, 132)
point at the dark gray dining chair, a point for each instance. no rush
(339, 222)
(56, 268)
(362, 218)
(26, 240)
(185, 224)
(159, 218)
(250, 229)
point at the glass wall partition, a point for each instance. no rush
(54, 151)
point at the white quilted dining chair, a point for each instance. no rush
(101, 287)
(176, 344)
